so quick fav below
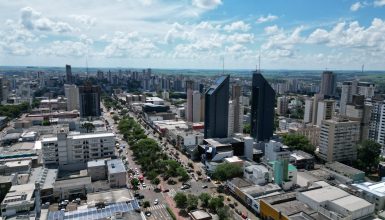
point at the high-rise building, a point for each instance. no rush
(72, 94)
(1, 89)
(100, 75)
(262, 108)
(89, 101)
(197, 106)
(308, 112)
(377, 121)
(360, 111)
(235, 120)
(189, 105)
(236, 97)
(68, 74)
(350, 88)
(338, 140)
(325, 110)
(217, 108)
(282, 105)
(328, 83)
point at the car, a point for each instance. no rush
(231, 205)
(156, 201)
(144, 185)
(147, 213)
(166, 190)
(204, 186)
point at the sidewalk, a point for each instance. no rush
(171, 204)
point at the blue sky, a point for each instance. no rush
(295, 34)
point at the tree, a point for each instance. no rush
(146, 204)
(215, 203)
(368, 155)
(205, 198)
(115, 118)
(227, 171)
(223, 213)
(135, 183)
(192, 202)
(246, 129)
(89, 127)
(155, 181)
(180, 200)
(298, 142)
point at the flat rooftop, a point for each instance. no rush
(72, 182)
(342, 168)
(93, 135)
(377, 189)
(241, 183)
(19, 194)
(111, 196)
(96, 163)
(328, 193)
(352, 203)
(293, 207)
(115, 166)
(221, 142)
(257, 190)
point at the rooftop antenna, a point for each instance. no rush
(259, 62)
(223, 64)
(362, 68)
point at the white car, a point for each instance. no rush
(144, 185)
(156, 202)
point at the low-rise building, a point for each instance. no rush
(117, 174)
(258, 174)
(275, 151)
(302, 160)
(19, 199)
(15, 166)
(200, 215)
(345, 171)
(372, 192)
(96, 169)
(72, 188)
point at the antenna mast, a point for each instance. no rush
(259, 62)
(362, 68)
(223, 65)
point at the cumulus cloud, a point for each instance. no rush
(34, 20)
(206, 4)
(241, 38)
(281, 44)
(84, 19)
(237, 26)
(267, 18)
(356, 6)
(379, 3)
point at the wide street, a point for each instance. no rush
(158, 211)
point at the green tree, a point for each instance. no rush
(215, 203)
(227, 171)
(146, 204)
(180, 200)
(192, 202)
(205, 198)
(88, 126)
(247, 128)
(368, 155)
(135, 183)
(155, 181)
(115, 118)
(223, 213)
(298, 142)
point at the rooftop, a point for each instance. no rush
(257, 190)
(200, 214)
(72, 182)
(377, 189)
(328, 193)
(111, 196)
(352, 203)
(96, 163)
(342, 168)
(233, 159)
(240, 183)
(19, 194)
(116, 166)
(93, 135)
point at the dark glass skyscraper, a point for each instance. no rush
(68, 74)
(217, 108)
(89, 101)
(262, 108)
(328, 83)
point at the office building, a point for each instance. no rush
(350, 88)
(358, 110)
(19, 199)
(197, 106)
(89, 101)
(328, 83)
(282, 105)
(262, 108)
(72, 94)
(325, 111)
(73, 151)
(237, 105)
(338, 140)
(217, 109)
(189, 106)
(377, 121)
(117, 174)
(69, 78)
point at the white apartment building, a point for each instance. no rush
(72, 152)
(72, 94)
(338, 139)
(117, 174)
(232, 128)
(325, 110)
(308, 113)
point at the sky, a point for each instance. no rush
(200, 34)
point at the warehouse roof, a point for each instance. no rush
(328, 193)
(352, 203)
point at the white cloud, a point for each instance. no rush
(235, 48)
(33, 20)
(379, 3)
(237, 26)
(356, 6)
(84, 19)
(281, 44)
(241, 38)
(206, 4)
(267, 18)
(65, 49)
(271, 29)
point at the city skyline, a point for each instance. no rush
(194, 34)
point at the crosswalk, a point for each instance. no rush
(156, 207)
(151, 187)
(171, 193)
